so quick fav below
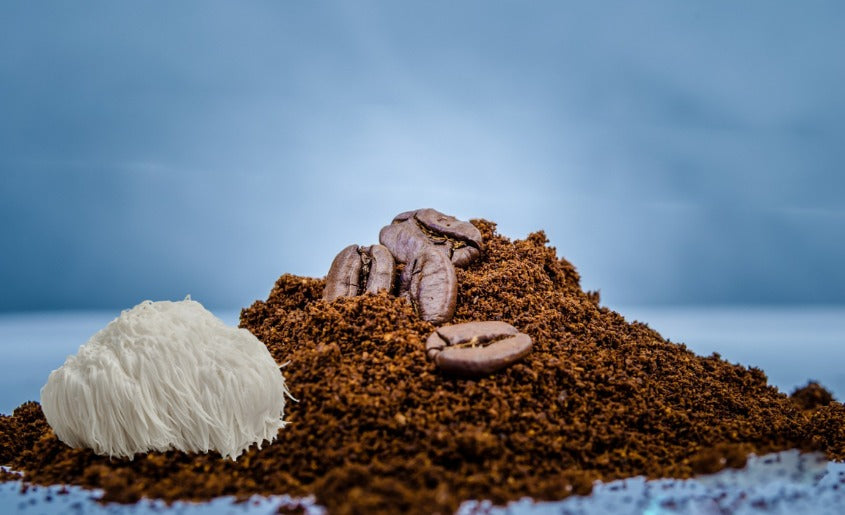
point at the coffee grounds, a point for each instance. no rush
(811, 396)
(378, 428)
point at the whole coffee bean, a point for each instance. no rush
(476, 348)
(356, 270)
(405, 240)
(460, 241)
(381, 268)
(430, 283)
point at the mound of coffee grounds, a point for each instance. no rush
(827, 431)
(811, 396)
(378, 428)
(20, 431)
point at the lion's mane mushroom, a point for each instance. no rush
(167, 375)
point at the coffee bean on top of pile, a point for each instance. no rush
(414, 239)
(411, 231)
(477, 348)
(429, 282)
(356, 270)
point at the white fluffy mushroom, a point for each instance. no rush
(167, 375)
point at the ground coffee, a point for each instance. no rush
(379, 428)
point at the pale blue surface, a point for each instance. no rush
(58, 500)
(781, 483)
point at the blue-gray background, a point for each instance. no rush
(675, 152)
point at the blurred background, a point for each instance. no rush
(687, 157)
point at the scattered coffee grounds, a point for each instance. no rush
(20, 431)
(379, 428)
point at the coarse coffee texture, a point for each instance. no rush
(811, 396)
(378, 428)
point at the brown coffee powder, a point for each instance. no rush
(379, 429)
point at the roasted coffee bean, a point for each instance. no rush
(356, 270)
(406, 235)
(476, 348)
(381, 268)
(405, 240)
(430, 283)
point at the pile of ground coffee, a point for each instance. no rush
(378, 428)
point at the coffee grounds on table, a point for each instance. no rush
(378, 428)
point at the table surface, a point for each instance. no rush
(791, 344)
